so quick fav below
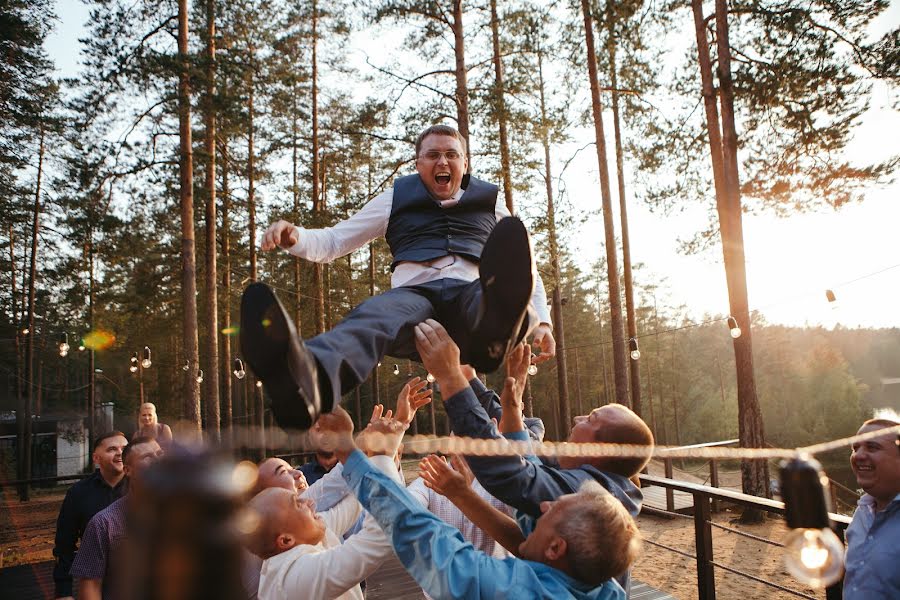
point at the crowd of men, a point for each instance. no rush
(466, 299)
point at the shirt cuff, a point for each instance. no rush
(478, 386)
(356, 467)
(519, 436)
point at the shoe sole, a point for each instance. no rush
(268, 340)
(507, 283)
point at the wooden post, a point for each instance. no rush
(706, 578)
(670, 494)
(714, 480)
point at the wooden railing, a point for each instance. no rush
(704, 496)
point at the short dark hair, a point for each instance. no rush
(630, 430)
(105, 436)
(441, 130)
(141, 439)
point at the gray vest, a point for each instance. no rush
(420, 230)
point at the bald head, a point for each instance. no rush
(610, 424)
(285, 521)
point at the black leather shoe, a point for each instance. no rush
(506, 286)
(272, 348)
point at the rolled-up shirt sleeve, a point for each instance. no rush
(326, 244)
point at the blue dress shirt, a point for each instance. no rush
(443, 563)
(873, 552)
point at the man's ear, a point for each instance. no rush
(285, 541)
(556, 549)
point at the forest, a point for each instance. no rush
(134, 194)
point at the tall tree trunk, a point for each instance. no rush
(188, 257)
(635, 365)
(227, 388)
(212, 316)
(500, 109)
(462, 86)
(92, 388)
(258, 400)
(14, 314)
(650, 400)
(662, 404)
(602, 347)
(23, 414)
(559, 329)
(675, 399)
(578, 384)
(723, 153)
(620, 366)
(318, 275)
(295, 190)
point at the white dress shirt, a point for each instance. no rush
(326, 244)
(331, 569)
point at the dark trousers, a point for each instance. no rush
(384, 324)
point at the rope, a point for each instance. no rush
(763, 581)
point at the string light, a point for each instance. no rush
(200, 376)
(81, 346)
(258, 383)
(239, 370)
(134, 363)
(812, 552)
(64, 344)
(532, 369)
(146, 362)
(396, 369)
(429, 378)
(635, 351)
(733, 327)
(829, 295)
(186, 366)
(26, 331)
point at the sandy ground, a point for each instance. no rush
(677, 574)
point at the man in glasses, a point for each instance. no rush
(458, 257)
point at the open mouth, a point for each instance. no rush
(442, 178)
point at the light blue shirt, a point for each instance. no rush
(443, 563)
(873, 552)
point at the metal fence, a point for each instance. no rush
(704, 497)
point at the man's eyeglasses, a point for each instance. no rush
(434, 155)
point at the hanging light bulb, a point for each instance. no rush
(134, 363)
(26, 331)
(812, 552)
(532, 369)
(239, 370)
(258, 383)
(429, 378)
(81, 346)
(186, 366)
(200, 376)
(146, 362)
(63, 344)
(733, 327)
(379, 364)
(829, 295)
(635, 351)
(396, 369)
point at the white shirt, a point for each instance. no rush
(331, 569)
(327, 244)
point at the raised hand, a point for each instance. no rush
(378, 412)
(382, 436)
(334, 431)
(438, 351)
(543, 339)
(438, 476)
(414, 395)
(279, 234)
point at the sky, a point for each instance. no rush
(854, 251)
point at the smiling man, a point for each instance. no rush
(457, 257)
(85, 499)
(873, 538)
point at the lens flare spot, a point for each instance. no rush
(244, 475)
(266, 322)
(98, 340)
(233, 330)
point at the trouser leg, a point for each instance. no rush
(381, 325)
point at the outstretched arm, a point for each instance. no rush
(503, 529)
